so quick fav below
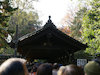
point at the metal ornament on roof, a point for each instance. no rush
(49, 23)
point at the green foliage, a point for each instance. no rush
(77, 24)
(27, 22)
(7, 50)
(25, 17)
(91, 28)
(25, 5)
(82, 55)
(5, 12)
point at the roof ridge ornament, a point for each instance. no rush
(49, 17)
(49, 21)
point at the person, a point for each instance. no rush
(14, 66)
(60, 71)
(55, 68)
(44, 69)
(73, 70)
(92, 68)
(33, 71)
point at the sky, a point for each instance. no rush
(57, 9)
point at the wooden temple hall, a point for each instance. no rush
(48, 43)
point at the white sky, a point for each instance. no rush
(57, 9)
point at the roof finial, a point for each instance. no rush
(49, 17)
(49, 21)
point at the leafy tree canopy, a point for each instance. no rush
(77, 24)
(25, 17)
(27, 22)
(91, 28)
(5, 12)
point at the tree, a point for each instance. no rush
(91, 28)
(7, 18)
(5, 12)
(76, 26)
(66, 30)
(24, 5)
(68, 19)
(27, 22)
(73, 20)
(25, 17)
